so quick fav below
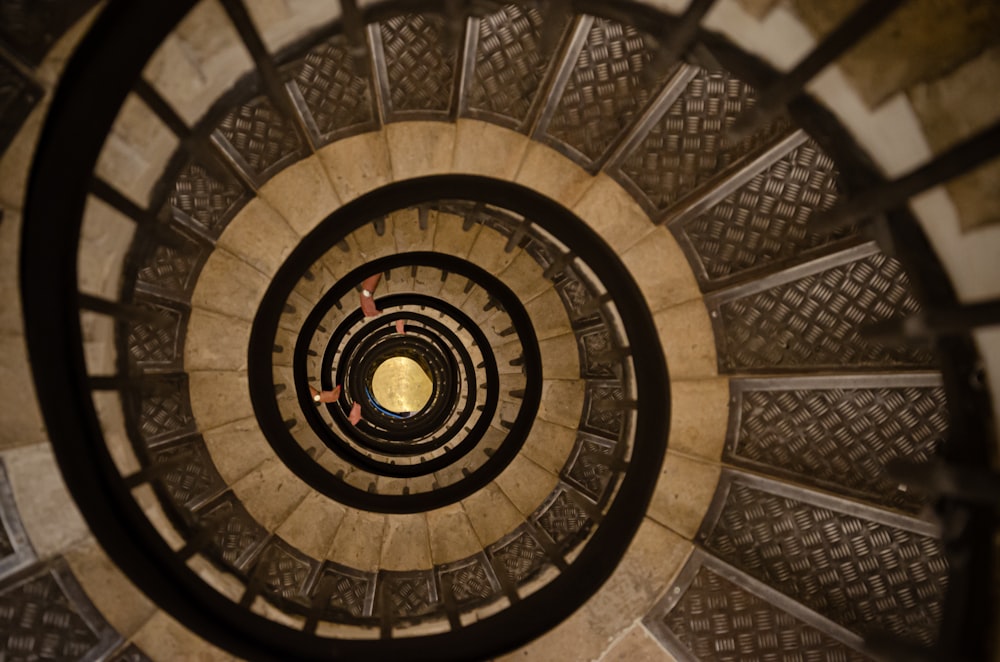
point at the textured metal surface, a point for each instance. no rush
(236, 534)
(561, 517)
(15, 548)
(420, 63)
(284, 571)
(30, 28)
(577, 295)
(765, 220)
(605, 91)
(509, 64)
(589, 467)
(47, 616)
(190, 477)
(595, 360)
(814, 321)
(163, 410)
(337, 97)
(171, 271)
(18, 95)
(687, 146)
(597, 417)
(157, 345)
(716, 619)
(469, 581)
(865, 575)
(264, 139)
(208, 202)
(838, 439)
(407, 594)
(519, 554)
(351, 592)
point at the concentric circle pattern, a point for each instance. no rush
(392, 329)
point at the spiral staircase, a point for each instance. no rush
(706, 349)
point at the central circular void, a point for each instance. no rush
(401, 385)
(428, 397)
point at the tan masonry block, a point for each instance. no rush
(486, 149)
(658, 265)
(260, 237)
(452, 537)
(357, 165)
(312, 526)
(547, 171)
(683, 493)
(613, 214)
(406, 545)
(302, 195)
(229, 286)
(237, 448)
(418, 149)
(219, 397)
(699, 417)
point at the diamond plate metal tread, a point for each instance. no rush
(605, 91)
(715, 619)
(263, 137)
(337, 97)
(47, 616)
(765, 220)
(156, 345)
(18, 95)
(838, 439)
(814, 322)
(598, 419)
(160, 410)
(171, 272)
(864, 575)
(30, 28)
(562, 518)
(351, 592)
(590, 467)
(469, 581)
(236, 535)
(209, 203)
(520, 555)
(190, 477)
(420, 61)
(16, 551)
(406, 595)
(688, 145)
(509, 64)
(284, 572)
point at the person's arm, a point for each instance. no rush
(325, 396)
(400, 326)
(355, 416)
(368, 286)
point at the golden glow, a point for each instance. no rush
(401, 385)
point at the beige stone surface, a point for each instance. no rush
(123, 605)
(312, 526)
(699, 415)
(921, 40)
(450, 238)
(301, 194)
(313, 290)
(524, 277)
(549, 445)
(259, 236)
(451, 534)
(281, 23)
(356, 165)
(219, 397)
(151, 508)
(409, 236)
(562, 402)
(230, 286)
(108, 405)
(486, 149)
(22, 421)
(406, 545)
(549, 172)
(99, 351)
(136, 151)
(48, 512)
(237, 448)
(683, 493)
(199, 61)
(952, 108)
(358, 543)
(548, 315)
(165, 639)
(489, 251)
(658, 265)
(293, 319)
(371, 245)
(271, 492)
(418, 149)
(526, 484)
(576, 639)
(216, 342)
(688, 341)
(613, 214)
(105, 237)
(491, 513)
(560, 358)
(637, 644)
(10, 285)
